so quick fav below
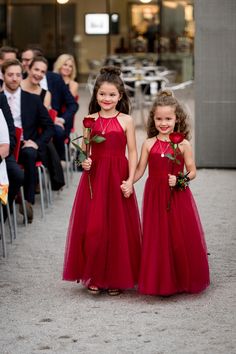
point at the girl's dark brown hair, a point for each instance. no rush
(110, 74)
(166, 98)
(38, 59)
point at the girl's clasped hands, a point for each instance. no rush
(126, 186)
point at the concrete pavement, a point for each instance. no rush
(42, 314)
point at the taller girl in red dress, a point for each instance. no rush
(103, 241)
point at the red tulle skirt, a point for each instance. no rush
(174, 254)
(103, 245)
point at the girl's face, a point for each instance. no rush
(165, 120)
(108, 96)
(67, 68)
(37, 72)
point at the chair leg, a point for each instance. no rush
(50, 194)
(3, 235)
(10, 222)
(45, 178)
(23, 205)
(71, 159)
(67, 164)
(14, 219)
(41, 192)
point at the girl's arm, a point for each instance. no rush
(142, 164)
(127, 186)
(189, 160)
(132, 148)
(139, 170)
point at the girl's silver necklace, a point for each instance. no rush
(162, 152)
(104, 128)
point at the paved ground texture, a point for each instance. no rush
(42, 314)
(39, 313)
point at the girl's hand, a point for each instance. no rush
(172, 179)
(127, 188)
(86, 164)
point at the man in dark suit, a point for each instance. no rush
(64, 103)
(30, 114)
(15, 173)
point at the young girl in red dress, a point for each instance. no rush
(174, 254)
(103, 243)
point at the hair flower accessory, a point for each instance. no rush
(88, 123)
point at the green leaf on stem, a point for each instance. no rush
(86, 141)
(82, 156)
(171, 157)
(78, 137)
(77, 146)
(98, 139)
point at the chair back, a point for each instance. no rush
(18, 141)
(53, 114)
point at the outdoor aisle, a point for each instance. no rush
(42, 314)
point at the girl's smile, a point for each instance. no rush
(108, 96)
(165, 120)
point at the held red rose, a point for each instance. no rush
(88, 122)
(176, 137)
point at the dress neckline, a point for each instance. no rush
(162, 141)
(108, 117)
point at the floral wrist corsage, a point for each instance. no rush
(182, 181)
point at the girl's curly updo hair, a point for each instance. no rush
(167, 98)
(111, 75)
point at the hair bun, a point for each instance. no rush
(165, 93)
(112, 70)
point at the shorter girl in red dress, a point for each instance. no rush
(174, 254)
(104, 237)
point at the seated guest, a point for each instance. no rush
(30, 114)
(15, 173)
(5, 54)
(65, 105)
(36, 71)
(65, 66)
(62, 102)
(4, 151)
(27, 55)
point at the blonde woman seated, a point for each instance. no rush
(36, 72)
(65, 66)
(4, 151)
